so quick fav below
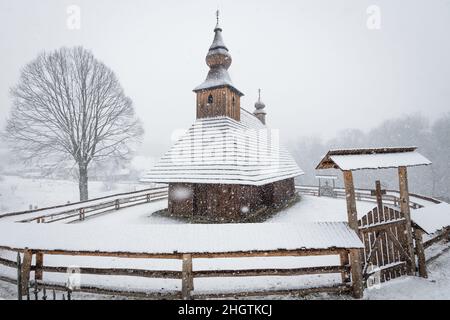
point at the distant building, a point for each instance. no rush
(228, 165)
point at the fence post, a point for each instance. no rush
(117, 204)
(404, 208)
(420, 253)
(36, 291)
(356, 269)
(355, 254)
(25, 270)
(19, 277)
(38, 271)
(352, 214)
(44, 293)
(187, 281)
(345, 263)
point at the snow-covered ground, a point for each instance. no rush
(139, 215)
(309, 209)
(17, 194)
(312, 208)
(437, 286)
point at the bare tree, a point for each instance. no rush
(68, 105)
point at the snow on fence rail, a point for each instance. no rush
(80, 210)
(186, 275)
(392, 196)
(443, 234)
(193, 242)
(425, 213)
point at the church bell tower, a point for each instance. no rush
(217, 96)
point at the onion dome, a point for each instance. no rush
(260, 111)
(259, 105)
(218, 60)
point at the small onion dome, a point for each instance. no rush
(259, 112)
(259, 105)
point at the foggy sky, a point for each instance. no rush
(319, 66)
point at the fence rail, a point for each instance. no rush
(444, 234)
(365, 195)
(80, 210)
(80, 203)
(186, 275)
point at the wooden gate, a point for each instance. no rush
(385, 244)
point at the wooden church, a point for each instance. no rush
(228, 165)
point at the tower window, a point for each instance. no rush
(210, 99)
(233, 102)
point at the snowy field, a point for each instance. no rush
(139, 215)
(309, 209)
(305, 210)
(437, 286)
(18, 193)
(315, 209)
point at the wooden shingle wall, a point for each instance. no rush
(225, 102)
(227, 202)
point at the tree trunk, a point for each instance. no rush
(83, 182)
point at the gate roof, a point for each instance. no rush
(372, 158)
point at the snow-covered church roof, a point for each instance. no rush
(222, 150)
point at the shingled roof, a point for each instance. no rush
(222, 150)
(372, 158)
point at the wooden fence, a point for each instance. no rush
(81, 210)
(382, 231)
(444, 234)
(186, 275)
(365, 195)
